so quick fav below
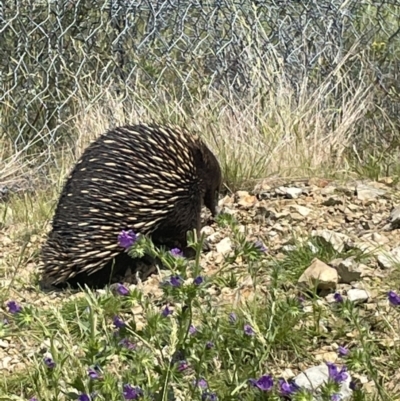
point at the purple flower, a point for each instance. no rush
(336, 375)
(198, 280)
(118, 322)
(166, 311)
(248, 330)
(33, 399)
(209, 396)
(49, 362)
(343, 351)
(192, 330)
(127, 238)
(93, 373)
(394, 298)
(127, 344)
(264, 383)
(338, 297)
(202, 383)
(260, 246)
(83, 397)
(122, 290)
(13, 307)
(232, 317)
(286, 388)
(182, 365)
(131, 393)
(336, 397)
(209, 345)
(176, 281)
(176, 252)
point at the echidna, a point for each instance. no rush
(149, 178)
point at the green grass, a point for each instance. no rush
(275, 328)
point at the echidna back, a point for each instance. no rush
(148, 178)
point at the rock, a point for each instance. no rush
(337, 240)
(367, 192)
(245, 200)
(316, 376)
(302, 210)
(207, 230)
(319, 274)
(357, 295)
(327, 357)
(225, 246)
(388, 260)
(376, 238)
(289, 192)
(289, 248)
(348, 269)
(394, 217)
(333, 201)
(225, 201)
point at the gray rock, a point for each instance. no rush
(225, 246)
(394, 217)
(337, 240)
(367, 192)
(357, 295)
(289, 192)
(387, 260)
(313, 378)
(349, 270)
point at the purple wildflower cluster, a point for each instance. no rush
(338, 376)
(13, 307)
(127, 238)
(289, 388)
(260, 246)
(176, 252)
(122, 290)
(266, 383)
(206, 394)
(394, 298)
(49, 362)
(132, 393)
(338, 297)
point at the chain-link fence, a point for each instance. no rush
(53, 51)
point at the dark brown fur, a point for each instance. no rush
(149, 178)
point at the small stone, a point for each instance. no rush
(245, 200)
(387, 260)
(225, 201)
(348, 269)
(357, 295)
(207, 230)
(225, 246)
(333, 201)
(296, 216)
(394, 217)
(367, 192)
(5, 363)
(289, 248)
(319, 274)
(337, 240)
(327, 357)
(304, 211)
(290, 192)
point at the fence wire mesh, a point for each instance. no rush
(53, 51)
